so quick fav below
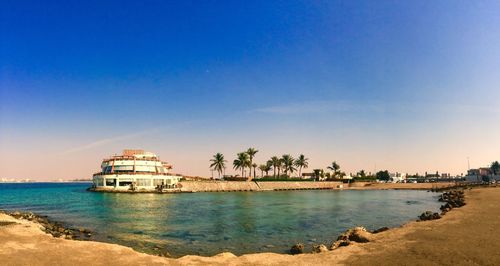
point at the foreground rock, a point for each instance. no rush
(297, 249)
(428, 215)
(319, 248)
(357, 234)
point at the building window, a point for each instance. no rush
(143, 182)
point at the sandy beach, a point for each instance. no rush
(464, 236)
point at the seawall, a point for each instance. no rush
(221, 186)
(226, 186)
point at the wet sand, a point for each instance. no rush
(464, 236)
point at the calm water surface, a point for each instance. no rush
(210, 223)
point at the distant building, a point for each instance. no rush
(482, 174)
(397, 177)
(134, 169)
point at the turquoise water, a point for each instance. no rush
(210, 223)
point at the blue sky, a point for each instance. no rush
(403, 85)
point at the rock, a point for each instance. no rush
(340, 243)
(319, 248)
(381, 229)
(297, 249)
(436, 216)
(360, 235)
(357, 234)
(428, 215)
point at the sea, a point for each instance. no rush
(211, 223)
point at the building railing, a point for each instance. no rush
(135, 173)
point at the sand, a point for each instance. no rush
(464, 236)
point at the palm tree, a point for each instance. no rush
(334, 167)
(301, 162)
(241, 162)
(265, 168)
(251, 153)
(269, 167)
(218, 163)
(280, 165)
(254, 165)
(276, 163)
(361, 174)
(288, 163)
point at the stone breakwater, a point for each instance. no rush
(53, 228)
(453, 199)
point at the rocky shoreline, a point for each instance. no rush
(54, 228)
(454, 198)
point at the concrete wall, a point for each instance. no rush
(299, 185)
(199, 186)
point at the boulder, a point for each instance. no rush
(319, 248)
(360, 235)
(297, 249)
(340, 243)
(357, 234)
(428, 215)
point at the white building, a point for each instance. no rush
(134, 170)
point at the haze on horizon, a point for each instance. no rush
(408, 86)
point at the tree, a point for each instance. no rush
(241, 162)
(251, 154)
(335, 167)
(301, 162)
(276, 163)
(288, 163)
(383, 175)
(280, 165)
(254, 165)
(218, 163)
(495, 167)
(265, 168)
(317, 173)
(361, 174)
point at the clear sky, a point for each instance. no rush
(408, 86)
